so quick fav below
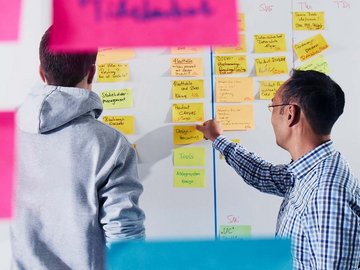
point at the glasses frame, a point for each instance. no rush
(271, 106)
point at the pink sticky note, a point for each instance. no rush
(9, 19)
(88, 24)
(7, 162)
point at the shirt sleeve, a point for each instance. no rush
(120, 214)
(333, 228)
(262, 175)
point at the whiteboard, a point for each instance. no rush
(199, 212)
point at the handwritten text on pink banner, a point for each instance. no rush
(7, 162)
(88, 24)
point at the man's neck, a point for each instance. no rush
(301, 146)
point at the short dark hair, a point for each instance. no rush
(321, 99)
(64, 69)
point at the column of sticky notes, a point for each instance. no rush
(112, 69)
(309, 50)
(187, 109)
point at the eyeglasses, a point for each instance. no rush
(270, 106)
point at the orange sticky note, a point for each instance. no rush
(111, 55)
(7, 162)
(241, 22)
(240, 117)
(186, 67)
(186, 50)
(234, 89)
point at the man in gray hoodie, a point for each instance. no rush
(78, 186)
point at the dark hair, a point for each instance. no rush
(63, 69)
(321, 99)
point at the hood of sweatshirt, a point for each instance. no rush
(49, 107)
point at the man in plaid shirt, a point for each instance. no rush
(321, 206)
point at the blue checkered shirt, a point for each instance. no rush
(321, 207)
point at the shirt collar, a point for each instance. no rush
(303, 165)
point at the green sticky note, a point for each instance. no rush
(117, 99)
(189, 178)
(189, 156)
(234, 231)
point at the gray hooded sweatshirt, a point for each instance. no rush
(77, 184)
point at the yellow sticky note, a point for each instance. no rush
(187, 89)
(186, 67)
(189, 178)
(271, 66)
(310, 47)
(186, 50)
(188, 112)
(113, 72)
(234, 89)
(241, 48)
(241, 22)
(186, 135)
(319, 64)
(117, 99)
(111, 55)
(240, 117)
(189, 156)
(268, 43)
(125, 124)
(308, 21)
(269, 88)
(230, 64)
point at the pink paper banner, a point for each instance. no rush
(89, 24)
(7, 162)
(9, 19)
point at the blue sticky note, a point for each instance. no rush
(244, 254)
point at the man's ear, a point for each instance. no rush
(293, 116)
(91, 74)
(42, 75)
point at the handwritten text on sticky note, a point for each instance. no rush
(125, 124)
(239, 117)
(230, 64)
(189, 156)
(308, 21)
(186, 67)
(234, 89)
(187, 89)
(186, 135)
(189, 178)
(268, 43)
(187, 112)
(319, 64)
(116, 99)
(269, 88)
(113, 72)
(310, 47)
(234, 231)
(271, 66)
